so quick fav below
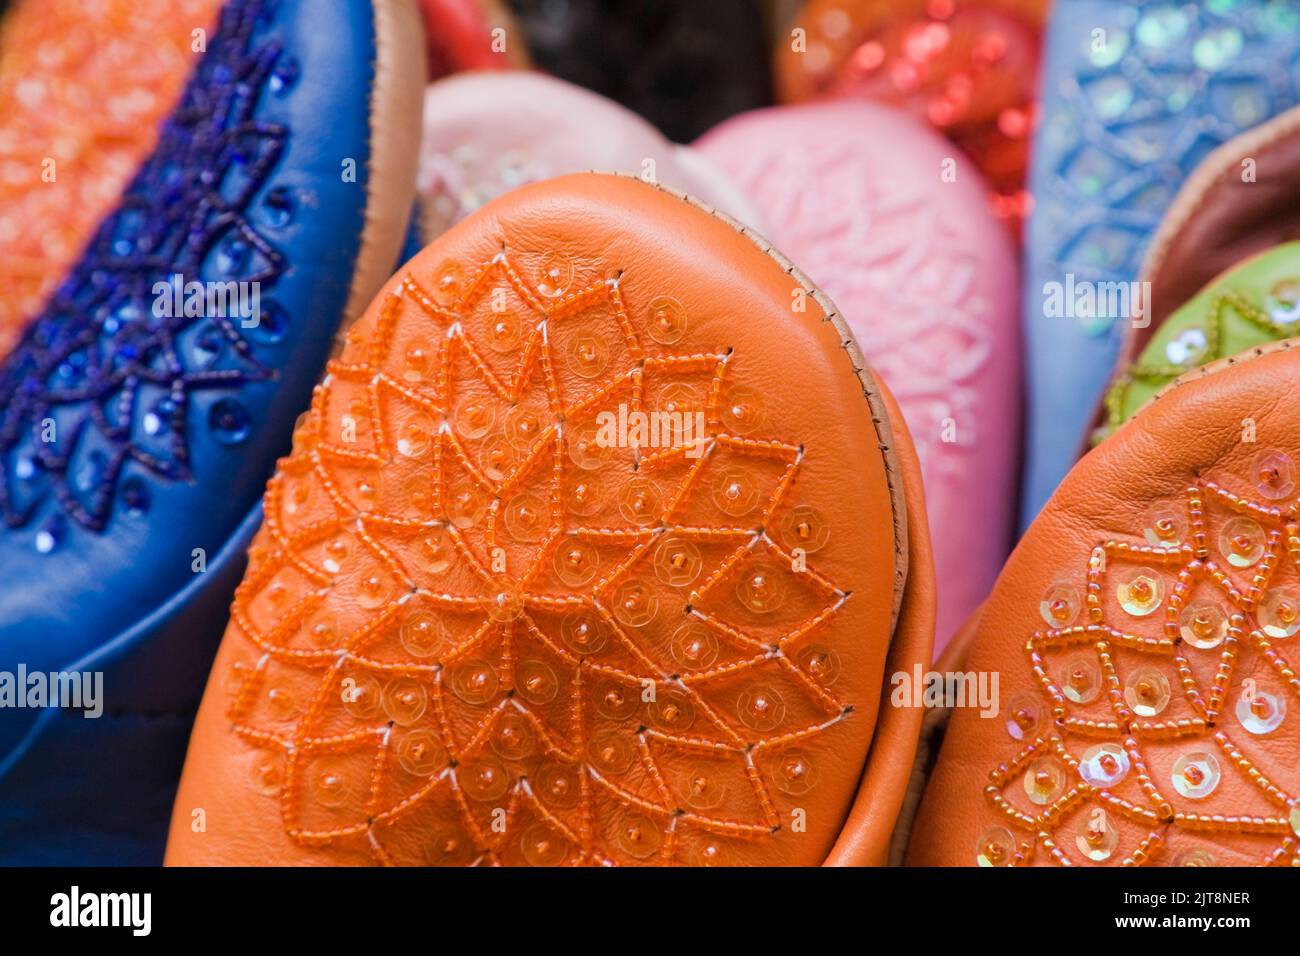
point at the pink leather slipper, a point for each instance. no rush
(486, 133)
(903, 240)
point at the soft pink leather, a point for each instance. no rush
(486, 133)
(891, 221)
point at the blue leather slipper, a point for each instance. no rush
(144, 407)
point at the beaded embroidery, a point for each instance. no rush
(98, 381)
(1157, 88)
(461, 600)
(1174, 680)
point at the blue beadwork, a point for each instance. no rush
(98, 379)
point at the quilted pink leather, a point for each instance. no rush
(892, 223)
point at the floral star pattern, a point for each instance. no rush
(476, 631)
(1162, 682)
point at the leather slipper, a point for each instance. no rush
(925, 278)
(487, 133)
(146, 404)
(1143, 634)
(561, 571)
(1134, 97)
(967, 67)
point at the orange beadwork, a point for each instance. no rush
(1186, 645)
(84, 89)
(517, 663)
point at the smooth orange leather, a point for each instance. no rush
(1189, 437)
(753, 757)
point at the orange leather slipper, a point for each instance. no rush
(597, 545)
(1144, 634)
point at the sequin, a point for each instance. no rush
(1060, 605)
(640, 502)
(760, 590)
(760, 708)
(1187, 348)
(677, 562)
(1241, 541)
(1140, 592)
(526, 517)
(995, 847)
(1164, 528)
(1196, 774)
(1261, 712)
(267, 772)
(435, 550)
(483, 779)
(503, 600)
(420, 753)
(582, 633)
(1195, 857)
(1104, 765)
(611, 753)
(1024, 717)
(794, 773)
(635, 604)
(588, 355)
(554, 275)
(806, 528)
(742, 412)
(513, 737)
(474, 681)
(1203, 624)
(405, 700)
(1044, 780)
(820, 663)
(1279, 613)
(694, 646)
(558, 785)
(575, 561)
(1096, 835)
(1081, 680)
(639, 836)
(1276, 478)
(667, 320)
(361, 696)
(735, 493)
(541, 847)
(1146, 690)
(536, 682)
(671, 711)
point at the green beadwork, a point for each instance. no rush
(1252, 304)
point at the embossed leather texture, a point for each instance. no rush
(1134, 97)
(968, 67)
(1144, 632)
(681, 64)
(925, 277)
(135, 438)
(488, 133)
(83, 91)
(479, 627)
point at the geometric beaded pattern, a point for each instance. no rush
(84, 88)
(473, 630)
(100, 382)
(1153, 736)
(1154, 89)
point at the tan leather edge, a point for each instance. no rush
(868, 832)
(396, 101)
(881, 414)
(933, 727)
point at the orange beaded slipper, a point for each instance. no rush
(596, 546)
(1144, 633)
